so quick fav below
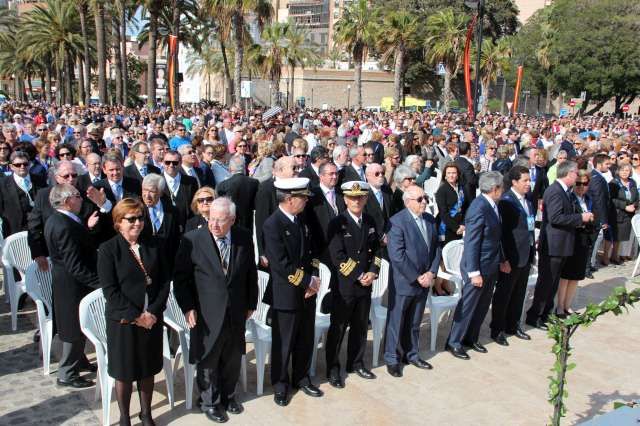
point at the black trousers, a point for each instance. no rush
(72, 359)
(218, 372)
(549, 268)
(292, 334)
(506, 308)
(352, 312)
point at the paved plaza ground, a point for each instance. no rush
(507, 386)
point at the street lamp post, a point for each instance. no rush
(348, 95)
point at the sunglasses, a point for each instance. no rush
(40, 130)
(301, 156)
(171, 163)
(142, 134)
(420, 199)
(207, 200)
(582, 183)
(370, 154)
(409, 178)
(241, 146)
(65, 154)
(17, 165)
(378, 174)
(76, 133)
(134, 219)
(634, 158)
(70, 175)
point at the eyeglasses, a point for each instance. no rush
(634, 158)
(378, 174)
(19, 165)
(76, 133)
(492, 147)
(40, 130)
(171, 163)
(134, 219)
(204, 200)
(369, 154)
(300, 155)
(65, 154)
(397, 157)
(74, 196)
(582, 183)
(70, 175)
(420, 199)
(142, 134)
(241, 146)
(409, 178)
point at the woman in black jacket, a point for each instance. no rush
(136, 286)
(624, 197)
(451, 205)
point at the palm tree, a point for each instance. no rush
(272, 55)
(153, 7)
(446, 34)
(356, 32)
(495, 60)
(97, 7)
(82, 7)
(399, 33)
(298, 53)
(543, 54)
(220, 15)
(207, 63)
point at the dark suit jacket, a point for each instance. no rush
(168, 235)
(199, 172)
(599, 193)
(242, 191)
(195, 222)
(73, 272)
(354, 251)
(350, 174)
(200, 284)
(182, 201)
(378, 152)
(14, 213)
(517, 240)
(542, 183)
(559, 222)
(410, 255)
(380, 215)
(482, 240)
(123, 281)
(266, 204)
(446, 199)
(207, 175)
(84, 183)
(309, 173)
(289, 249)
(131, 188)
(131, 171)
(620, 202)
(319, 213)
(571, 150)
(468, 178)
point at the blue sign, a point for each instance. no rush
(563, 112)
(440, 70)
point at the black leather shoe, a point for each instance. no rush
(336, 381)
(394, 370)
(36, 336)
(312, 390)
(500, 339)
(539, 324)
(217, 414)
(588, 275)
(78, 383)
(364, 373)
(421, 363)
(520, 334)
(281, 398)
(146, 419)
(476, 347)
(90, 368)
(458, 352)
(233, 406)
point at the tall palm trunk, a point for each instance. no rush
(291, 100)
(81, 93)
(45, 94)
(48, 83)
(547, 101)
(59, 84)
(101, 48)
(237, 23)
(397, 78)
(68, 80)
(123, 40)
(82, 12)
(117, 55)
(484, 107)
(446, 91)
(228, 92)
(151, 61)
(358, 54)
(30, 86)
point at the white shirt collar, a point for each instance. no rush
(518, 196)
(490, 200)
(291, 217)
(71, 215)
(111, 184)
(21, 181)
(325, 189)
(227, 236)
(354, 217)
(563, 185)
(158, 207)
(170, 179)
(413, 215)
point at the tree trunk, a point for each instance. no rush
(292, 78)
(484, 106)
(68, 80)
(275, 89)
(397, 78)
(117, 55)
(175, 24)
(151, 61)
(446, 91)
(547, 102)
(123, 55)
(30, 86)
(357, 76)
(101, 47)
(503, 97)
(228, 92)
(45, 95)
(81, 94)
(82, 12)
(237, 23)
(48, 83)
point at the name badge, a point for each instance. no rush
(531, 223)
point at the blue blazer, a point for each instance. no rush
(409, 254)
(599, 193)
(482, 240)
(517, 240)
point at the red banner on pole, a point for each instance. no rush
(467, 68)
(517, 94)
(173, 46)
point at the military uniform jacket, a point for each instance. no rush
(291, 261)
(355, 250)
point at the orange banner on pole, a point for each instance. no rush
(467, 68)
(173, 46)
(517, 94)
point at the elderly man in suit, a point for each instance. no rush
(415, 257)
(141, 165)
(355, 170)
(216, 287)
(481, 261)
(518, 242)
(380, 201)
(93, 175)
(557, 238)
(242, 190)
(74, 275)
(317, 157)
(189, 161)
(180, 188)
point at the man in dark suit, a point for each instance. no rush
(481, 260)
(468, 177)
(380, 202)
(602, 206)
(355, 170)
(180, 188)
(317, 157)
(539, 180)
(513, 138)
(93, 175)
(140, 166)
(415, 258)
(189, 160)
(292, 135)
(355, 256)
(568, 144)
(17, 194)
(216, 287)
(242, 190)
(74, 275)
(518, 244)
(378, 151)
(291, 291)
(266, 202)
(557, 237)
(208, 178)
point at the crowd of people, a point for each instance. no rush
(143, 202)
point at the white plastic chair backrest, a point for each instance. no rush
(16, 252)
(380, 284)
(92, 321)
(635, 223)
(325, 280)
(1, 234)
(173, 313)
(38, 283)
(255, 240)
(452, 255)
(430, 187)
(260, 314)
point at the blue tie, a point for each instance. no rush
(379, 198)
(155, 220)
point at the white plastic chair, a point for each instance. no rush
(15, 254)
(431, 186)
(38, 286)
(635, 224)
(438, 305)
(93, 325)
(261, 332)
(378, 313)
(323, 321)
